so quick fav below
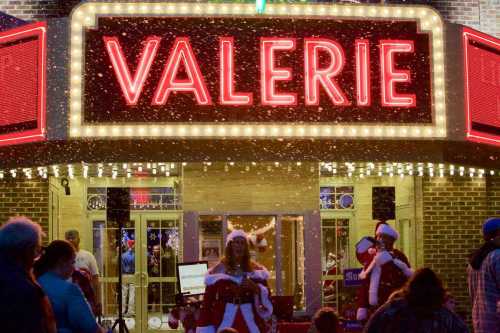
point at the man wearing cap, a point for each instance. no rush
(85, 261)
(484, 280)
(385, 269)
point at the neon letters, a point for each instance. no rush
(316, 76)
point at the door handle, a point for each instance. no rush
(144, 279)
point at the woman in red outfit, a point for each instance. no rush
(236, 292)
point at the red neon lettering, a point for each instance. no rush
(131, 87)
(270, 74)
(363, 72)
(390, 75)
(195, 83)
(227, 94)
(315, 76)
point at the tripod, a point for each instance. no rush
(120, 322)
(118, 210)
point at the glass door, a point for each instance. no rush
(107, 242)
(161, 249)
(335, 259)
(150, 244)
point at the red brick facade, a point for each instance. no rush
(453, 211)
(25, 197)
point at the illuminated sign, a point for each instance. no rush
(22, 84)
(482, 86)
(221, 70)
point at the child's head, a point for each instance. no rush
(325, 320)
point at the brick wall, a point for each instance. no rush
(483, 15)
(493, 193)
(454, 209)
(27, 197)
(37, 9)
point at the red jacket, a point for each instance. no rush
(383, 273)
(226, 304)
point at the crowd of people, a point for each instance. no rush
(53, 290)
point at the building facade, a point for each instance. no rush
(306, 201)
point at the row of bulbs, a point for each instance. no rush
(349, 169)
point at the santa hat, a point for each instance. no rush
(385, 229)
(234, 234)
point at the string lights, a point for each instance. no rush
(326, 169)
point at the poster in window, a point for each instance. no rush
(211, 251)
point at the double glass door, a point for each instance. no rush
(150, 244)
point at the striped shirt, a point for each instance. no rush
(484, 290)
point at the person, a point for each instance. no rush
(24, 307)
(85, 261)
(236, 293)
(72, 312)
(419, 307)
(385, 269)
(128, 287)
(484, 280)
(325, 321)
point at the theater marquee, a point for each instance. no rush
(221, 70)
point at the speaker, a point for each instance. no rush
(118, 204)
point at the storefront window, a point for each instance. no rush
(335, 259)
(262, 233)
(292, 259)
(210, 233)
(283, 254)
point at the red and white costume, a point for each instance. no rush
(227, 303)
(383, 272)
(224, 306)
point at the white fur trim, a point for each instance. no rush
(211, 279)
(247, 312)
(229, 316)
(382, 258)
(404, 267)
(387, 230)
(259, 274)
(263, 304)
(234, 234)
(362, 314)
(363, 245)
(205, 329)
(374, 283)
(364, 273)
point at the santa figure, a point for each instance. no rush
(385, 269)
(236, 293)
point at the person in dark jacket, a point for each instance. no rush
(419, 307)
(24, 307)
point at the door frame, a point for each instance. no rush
(312, 253)
(140, 279)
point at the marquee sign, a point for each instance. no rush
(221, 70)
(22, 84)
(482, 86)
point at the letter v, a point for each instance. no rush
(131, 87)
